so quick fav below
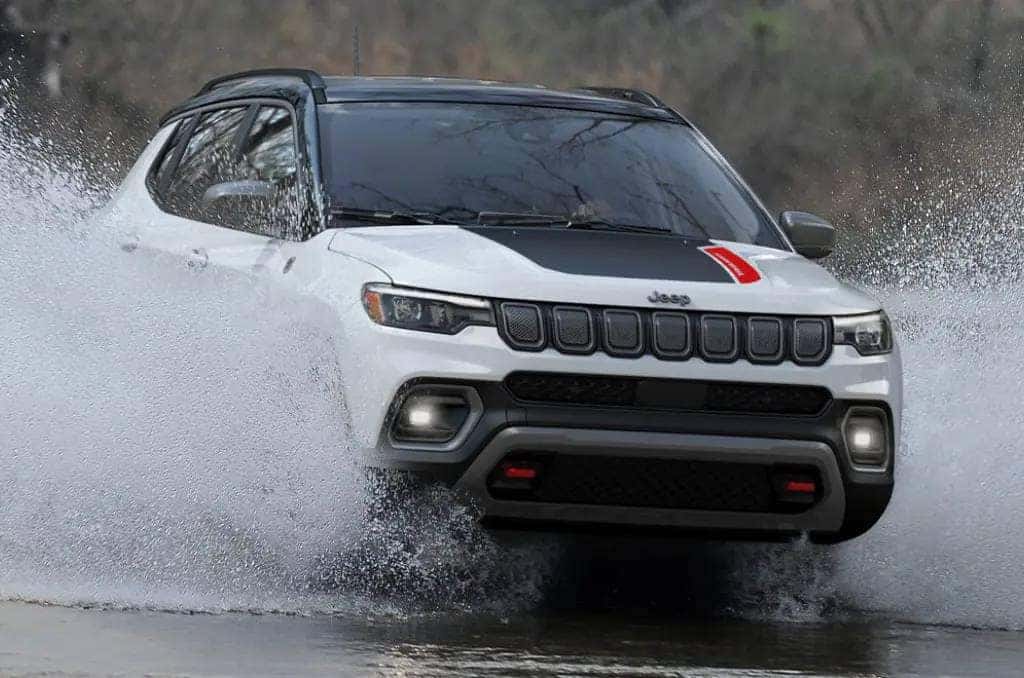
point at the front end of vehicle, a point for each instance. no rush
(580, 317)
(567, 415)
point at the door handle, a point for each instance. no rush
(197, 258)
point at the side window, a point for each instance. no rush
(207, 160)
(268, 154)
(248, 156)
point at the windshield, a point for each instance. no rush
(466, 163)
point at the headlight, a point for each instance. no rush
(870, 334)
(424, 311)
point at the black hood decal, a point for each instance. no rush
(612, 254)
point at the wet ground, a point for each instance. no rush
(49, 640)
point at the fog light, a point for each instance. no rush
(431, 417)
(867, 437)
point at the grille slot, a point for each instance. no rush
(810, 339)
(574, 329)
(668, 394)
(671, 335)
(719, 341)
(524, 327)
(668, 335)
(623, 333)
(652, 483)
(764, 339)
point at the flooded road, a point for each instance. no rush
(50, 640)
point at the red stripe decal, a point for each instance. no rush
(741, 270)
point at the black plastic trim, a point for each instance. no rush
(867, 493)
(666, 354)
(773, 359)
(312, 79)
(556, 334)
(648, 319)
(542, 329)
(157, 190)
(821, 356)
(719, 357)
(632, 95)
(654, 394)
(243, 131)
(617, 351)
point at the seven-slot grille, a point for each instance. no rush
(668, 335)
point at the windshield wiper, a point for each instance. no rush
(613, 226)
(384, 216)
(527, 219)
(519, 219)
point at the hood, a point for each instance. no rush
(600, 268)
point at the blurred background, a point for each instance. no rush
(842, 108)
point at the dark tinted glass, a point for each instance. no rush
(208, 159)
(459, 160)
(268, 153)
(225, 148)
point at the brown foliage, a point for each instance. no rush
(823, 105)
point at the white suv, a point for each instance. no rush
(565, 304)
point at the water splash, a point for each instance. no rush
(175, 439)
(948, 549)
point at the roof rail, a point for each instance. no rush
(635, 95)
(312, 79)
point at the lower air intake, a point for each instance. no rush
(667, 394)
(651, 483)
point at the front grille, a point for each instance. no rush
(523, 326)
(668, 394)
(649, 483)
(668, 335)
(574, 330)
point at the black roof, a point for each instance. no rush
(333, 89)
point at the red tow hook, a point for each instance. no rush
(518, 471)
(795, 488)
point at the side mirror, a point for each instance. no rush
(245, 192)
(811, 235)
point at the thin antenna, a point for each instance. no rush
(355, 49)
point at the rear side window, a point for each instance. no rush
(207, 160)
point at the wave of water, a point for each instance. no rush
(175, 440)
(949, 547)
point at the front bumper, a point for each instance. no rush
(826, 515)
(851, 502)
(849, 499)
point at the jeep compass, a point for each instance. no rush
(565, 304)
